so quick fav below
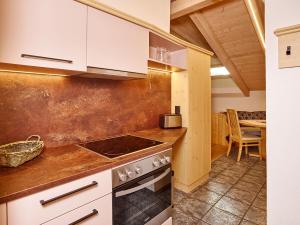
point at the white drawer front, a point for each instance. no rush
(98, 212)
(30, 211)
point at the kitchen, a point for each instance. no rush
(89, 80)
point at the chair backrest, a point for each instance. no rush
(234, 125)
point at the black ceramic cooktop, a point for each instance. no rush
(118, 146)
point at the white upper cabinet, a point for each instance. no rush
(113, 43)
(47, 33)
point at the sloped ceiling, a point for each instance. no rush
(227, 29)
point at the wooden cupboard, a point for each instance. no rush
(113, 43)
(191, 90)
(48, 33)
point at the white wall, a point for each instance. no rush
(283, 121)
(156, 12)
(255, 102)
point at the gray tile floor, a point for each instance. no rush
(234, 195)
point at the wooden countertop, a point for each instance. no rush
(59, 165)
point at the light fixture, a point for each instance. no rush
(159, 70)
(33, 73)
(219, 71)
(257, 24)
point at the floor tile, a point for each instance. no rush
(178, 196)
(217, 187)
(226, 179)
(241, 195)
(202, 223)
(252, 179)
(232, 206)
(206, 196)
(246, 186)
(256, 215)
(193, 207)
(246, 222)
(179, 218)
(259, 167)
(262, 194)
(232, 173)
(219, 217)
(257, 173)
(260, 203)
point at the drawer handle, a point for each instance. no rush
(93, 213)
(46, 58)
(44, 202)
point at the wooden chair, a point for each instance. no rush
(235, 135)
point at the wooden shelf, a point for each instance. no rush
(153, 63)
(177, 54)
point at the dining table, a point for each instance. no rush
(262, 125)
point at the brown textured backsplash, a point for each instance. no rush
(64, 110)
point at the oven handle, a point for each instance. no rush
(131, 190)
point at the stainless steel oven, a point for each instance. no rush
(142, 191)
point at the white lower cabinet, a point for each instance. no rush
(3, 215)
(95, 213)
(44, 206)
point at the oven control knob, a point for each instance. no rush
(163, 160)
(138, 170)
(130, 173)
(168, 159)
(156, 162)
(122, 176)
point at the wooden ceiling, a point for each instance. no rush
(227, 28)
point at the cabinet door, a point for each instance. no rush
(116, 44)
(3, 215)
(48, 33)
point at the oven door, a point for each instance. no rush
(145, 200)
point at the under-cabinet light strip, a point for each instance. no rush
(256, 23)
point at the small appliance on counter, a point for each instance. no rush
(168, 121)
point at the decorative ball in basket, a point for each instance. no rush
(17, 153)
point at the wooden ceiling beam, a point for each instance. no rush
(200, 21)
(184, 7)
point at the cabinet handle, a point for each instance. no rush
(46, 58)
(93, 213)
(45, 202)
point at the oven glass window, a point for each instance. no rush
(141, 206)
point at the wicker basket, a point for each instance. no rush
(17, 153)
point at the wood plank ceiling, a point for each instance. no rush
(227, 28)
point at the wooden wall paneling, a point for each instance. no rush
(203, 26)
(192, 91)
(219, 129)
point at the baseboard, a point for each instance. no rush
(190, 187)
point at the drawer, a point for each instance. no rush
(58, 200)
(95, 213)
